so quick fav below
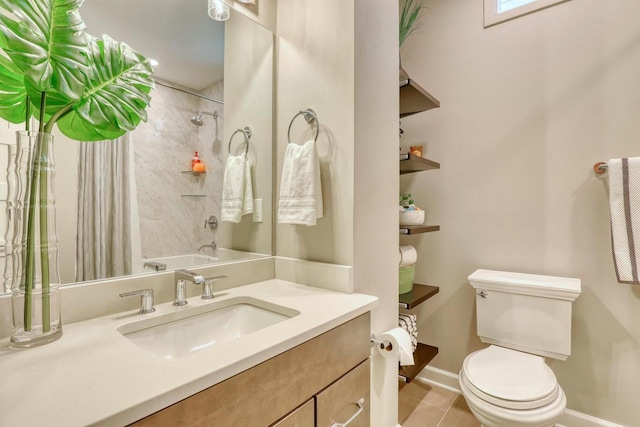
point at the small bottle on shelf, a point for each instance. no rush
(196, 164)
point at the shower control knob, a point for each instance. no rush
(482, 294)
(212, 222)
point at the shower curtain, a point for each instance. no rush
(103, 242)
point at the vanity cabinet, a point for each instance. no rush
(321, 379)
(336, 403)
(304, 416)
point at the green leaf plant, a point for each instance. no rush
(93, 89)
(409, 18)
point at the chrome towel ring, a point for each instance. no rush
(311, 117)
(247, 134)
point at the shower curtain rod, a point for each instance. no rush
(171, 86)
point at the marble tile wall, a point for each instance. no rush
(171, 217)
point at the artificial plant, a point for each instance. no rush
(51, 69)
(406, 200)
(409, 18)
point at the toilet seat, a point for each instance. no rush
(496, 416)
(510, 379)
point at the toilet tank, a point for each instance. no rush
(525, 312)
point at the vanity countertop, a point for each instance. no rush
(95, 376)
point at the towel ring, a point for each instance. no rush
(311, 117)
(247, 134)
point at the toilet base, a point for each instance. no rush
(495, 416)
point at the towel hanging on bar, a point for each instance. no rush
(624, 204)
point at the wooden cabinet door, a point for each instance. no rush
(304, 416)
(338, 402)
(262, 395)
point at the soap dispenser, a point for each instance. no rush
(196, 164)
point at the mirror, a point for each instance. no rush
(221, 69)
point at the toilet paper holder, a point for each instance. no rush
(384, 345)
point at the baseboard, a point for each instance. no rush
(572, 418)
(440, 378)
(449, 381)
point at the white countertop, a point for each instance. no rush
(95, 376)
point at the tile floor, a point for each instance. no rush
(422, 405)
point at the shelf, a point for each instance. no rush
(414, 99)
(193, 195)
(417, 229)
(418, 295)
(423, 355)
(410, 163)
(194, 172)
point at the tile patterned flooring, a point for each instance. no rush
(422, 405)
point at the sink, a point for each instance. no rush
(184, 331)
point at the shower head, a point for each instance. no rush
(197, 119)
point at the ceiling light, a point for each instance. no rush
(218, 11)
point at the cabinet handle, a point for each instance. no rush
(360, 404)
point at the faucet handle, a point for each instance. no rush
(207, 287)
(146, 300)
(212, 222)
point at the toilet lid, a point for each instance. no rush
(510, 378)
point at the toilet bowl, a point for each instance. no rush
(508, 388)
(525, 318)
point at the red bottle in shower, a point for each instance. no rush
(196, 163)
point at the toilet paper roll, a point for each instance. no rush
(401, 346)
(408, 255)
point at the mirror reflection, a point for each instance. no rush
(151, 199)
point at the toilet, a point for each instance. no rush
(525, 318)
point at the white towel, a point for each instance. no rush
(237, 189)
(408, 322)
(624, 203)
(300, 187)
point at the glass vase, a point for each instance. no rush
(34, 275)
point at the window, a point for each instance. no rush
(497, 11)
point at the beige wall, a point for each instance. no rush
(528, 107)
(315, 69)
(248, 95)
(376, 172)
(263, 12)
(340, 58)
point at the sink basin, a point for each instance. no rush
(183, 332)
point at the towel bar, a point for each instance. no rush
(311, 117)
(600, 168)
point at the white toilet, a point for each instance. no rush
(525, 318)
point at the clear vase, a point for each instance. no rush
(34, 274)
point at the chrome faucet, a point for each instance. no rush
(182, 276)
(155, 266)
(212, 245)
(146, 300)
